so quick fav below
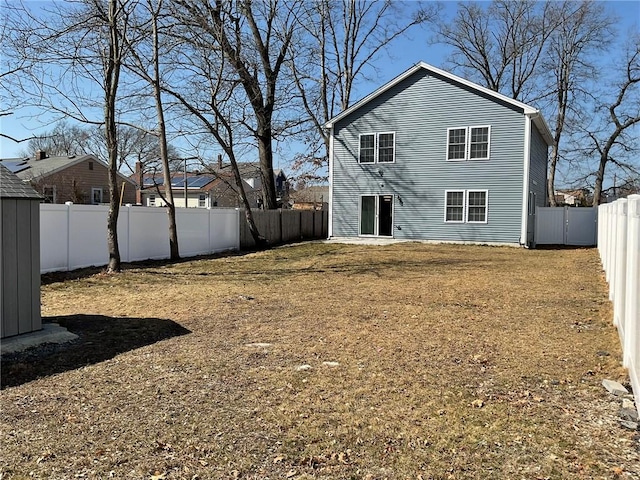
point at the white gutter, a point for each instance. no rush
(330, 220)
(525, 178)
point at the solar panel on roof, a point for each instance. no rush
(198, 182)
(16, 166)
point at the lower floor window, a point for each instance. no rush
(466, 206)
(151, 201)
(202, 200)
(49, 193)
(96, 196)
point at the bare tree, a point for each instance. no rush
(614, 142)
(149, 70)
(339, 41)
(500, 45)
(583, 31)
(254, 38)
(212, 100)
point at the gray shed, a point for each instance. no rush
(19, 256)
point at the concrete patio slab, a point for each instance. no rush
(50, 333)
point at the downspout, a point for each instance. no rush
(330, 221)
(525, 178)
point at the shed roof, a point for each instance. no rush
(12, 187)
(535, 114)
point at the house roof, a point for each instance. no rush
(315, 193)
(247, 169)
(30, 168)
(12, 187)
(534, 113)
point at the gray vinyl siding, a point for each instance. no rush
(19, 266)
(419, 110)
(538, 167)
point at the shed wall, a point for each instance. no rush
(19, 266)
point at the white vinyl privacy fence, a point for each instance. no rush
(566, 226)
(75, 236)
(619, 247)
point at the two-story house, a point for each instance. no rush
(432, 156)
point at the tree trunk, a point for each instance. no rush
(597, 189)
(112, 73)
(265, 153)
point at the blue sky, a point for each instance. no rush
(404, 53)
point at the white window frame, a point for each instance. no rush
(467, 143)
(377, 151)
(486, 206)
(466, 140)
(93, 191)
(376, 147)
(151, 200)
(360, 147)
(464, 201)
(488, 127)
(465, 206)
(53, 192)
(202, 200)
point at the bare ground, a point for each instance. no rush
(443, 362)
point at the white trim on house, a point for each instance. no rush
(528, 110)
(525, 180)
(330, 217)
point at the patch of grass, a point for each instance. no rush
(426, 361)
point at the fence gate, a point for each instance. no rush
(566, 226)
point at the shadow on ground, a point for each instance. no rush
(100, 338)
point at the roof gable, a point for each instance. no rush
(31, 169)
(12, 187)
(535, 114)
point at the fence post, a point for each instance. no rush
(632, 284)
(620, 268)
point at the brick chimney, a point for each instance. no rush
(140, 182)
(40, 155)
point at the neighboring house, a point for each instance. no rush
(79, 179)
(202, 191)
(19, 256)
(214, 189)
(574, 198)
(432, 156)
(250, 172)
(310, 198)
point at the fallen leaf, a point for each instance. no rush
(278, 459)
(158, 476)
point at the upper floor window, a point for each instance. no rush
(377, 147)
(468, 143)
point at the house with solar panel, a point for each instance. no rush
(432, 156)
(82, 179)
(215, 187)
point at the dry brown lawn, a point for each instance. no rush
(447, 362)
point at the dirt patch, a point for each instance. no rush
(420, 361)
